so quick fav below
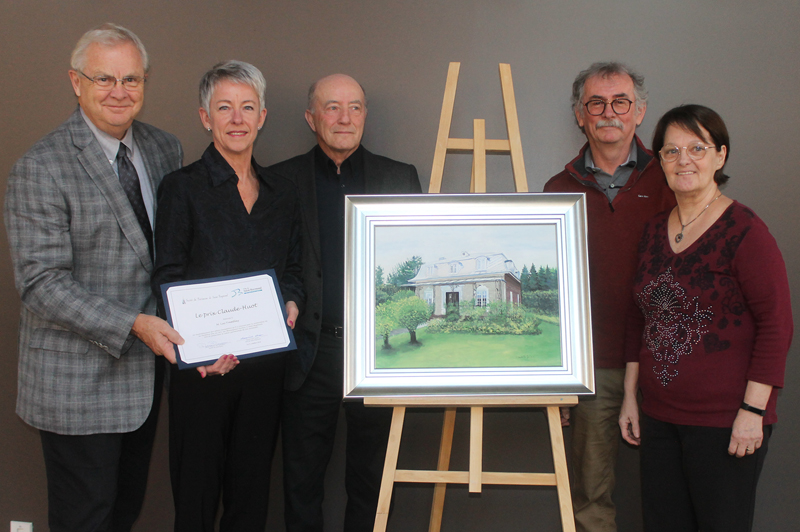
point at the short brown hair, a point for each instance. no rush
(691, 118)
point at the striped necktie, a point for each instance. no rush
(129, 180)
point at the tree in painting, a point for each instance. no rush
(404, 271)
(385, 321)
(410, 313)
(540, 289)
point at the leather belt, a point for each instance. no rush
(336, 331)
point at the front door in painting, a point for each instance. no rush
(451, 300)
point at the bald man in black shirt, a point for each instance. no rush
(337, 166)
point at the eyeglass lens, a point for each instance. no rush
(619, 105)
(695, 151)
(108, 82)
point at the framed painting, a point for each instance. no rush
(467, 294)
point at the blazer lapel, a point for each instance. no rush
(152, 159)
(372, 184)
(369, 171)
(308, 190)
(96, 165)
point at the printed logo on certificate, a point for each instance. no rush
(243, 315)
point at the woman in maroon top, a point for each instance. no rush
(708, 345)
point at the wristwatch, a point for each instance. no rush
(751, 408)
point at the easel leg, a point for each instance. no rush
(560, 465)
(512, 125)
(478, 183)
(389, 469)
(445, 447)
(475, 449)
(444, 128)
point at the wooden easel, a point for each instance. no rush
(475, 477)
(479, 145)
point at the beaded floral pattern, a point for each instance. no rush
(675, 323)
(709, 317)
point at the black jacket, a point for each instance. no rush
(382, 176)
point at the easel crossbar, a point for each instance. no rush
(493, 146)
(422, 476)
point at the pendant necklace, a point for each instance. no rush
(679, 236)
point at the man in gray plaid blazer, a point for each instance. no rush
(88, 377)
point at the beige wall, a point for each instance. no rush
(737, 56)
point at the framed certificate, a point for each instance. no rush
(243, 315)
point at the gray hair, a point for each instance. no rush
(604, 70)
(109, 34)
(237, 72)
(312, 94)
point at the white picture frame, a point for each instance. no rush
(555, 221)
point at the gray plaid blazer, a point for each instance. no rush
(82, 269)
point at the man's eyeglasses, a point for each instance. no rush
(695, 151)
(596, 106)
(109, 82)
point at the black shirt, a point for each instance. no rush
(332, 187)
(204, 230)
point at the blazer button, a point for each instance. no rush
(316, 315)
(319, 273)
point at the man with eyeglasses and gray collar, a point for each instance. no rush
(79, 214)
(624, 187)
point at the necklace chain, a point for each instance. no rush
(679, 236)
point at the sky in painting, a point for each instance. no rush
(525, 244)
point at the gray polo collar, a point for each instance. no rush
(630, 162)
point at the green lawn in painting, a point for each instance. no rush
(456, 350)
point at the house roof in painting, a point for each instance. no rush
(465, 266)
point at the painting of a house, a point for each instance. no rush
(457, 294)
(479, 278)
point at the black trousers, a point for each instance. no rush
(309, 418)
(222, 436)
(97, 482)
(691, 483)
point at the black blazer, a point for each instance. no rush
(381, 176)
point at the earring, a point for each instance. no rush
(259, 128)
(208, 129)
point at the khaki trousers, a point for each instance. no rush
(595, 441)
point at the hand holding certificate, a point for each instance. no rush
(243, 315)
